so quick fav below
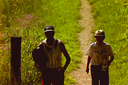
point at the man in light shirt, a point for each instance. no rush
(98, 54)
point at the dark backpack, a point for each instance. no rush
(39, 56)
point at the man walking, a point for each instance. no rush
(98, 54)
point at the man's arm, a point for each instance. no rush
(112, 58)
(88, 62)
(64, 51)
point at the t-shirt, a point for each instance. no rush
(99, 53)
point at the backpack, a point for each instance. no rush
(39, 56)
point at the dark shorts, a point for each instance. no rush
(53, 76)
(99, 77)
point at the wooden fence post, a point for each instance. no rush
(15, 60)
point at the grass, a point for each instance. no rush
(22, 19)
(112, 17)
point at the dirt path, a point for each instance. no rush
(85, 37)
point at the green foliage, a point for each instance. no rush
(69, 80)
(27, 19)
(112, 17)
(11, 9)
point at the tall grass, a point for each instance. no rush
(112, 17)
(27, 19)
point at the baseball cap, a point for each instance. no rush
(48, 28)
(99, 33)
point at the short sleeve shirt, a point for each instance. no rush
(99, 53)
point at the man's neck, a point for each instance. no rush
(50, 42)
(99, 43)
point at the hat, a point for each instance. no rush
(99, 33)
(48, 28)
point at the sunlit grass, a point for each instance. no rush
(27, 19)
(112, 17)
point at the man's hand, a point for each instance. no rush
(87, 67)
(107, 63)
(62, 70)
(87, 70)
